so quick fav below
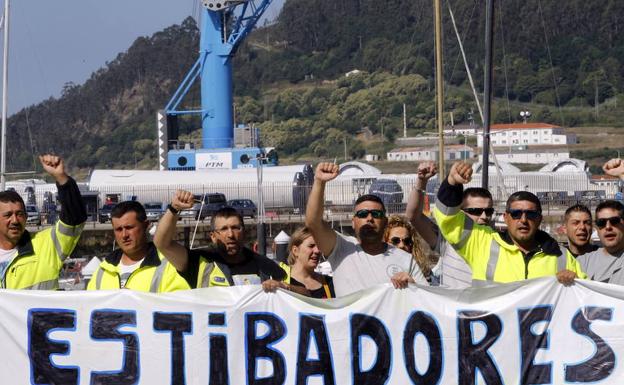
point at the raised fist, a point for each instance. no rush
(426, 170)
(54, 166)
(182, 200)
(461, 173)
(614, 167)
(326, 171)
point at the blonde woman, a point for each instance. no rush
(400, 233)
(303, 258)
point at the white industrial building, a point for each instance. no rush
(527, 134)
(452, 152)
(531, 156)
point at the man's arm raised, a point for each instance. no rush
(175, 253)
(323, 234)
(414, 210)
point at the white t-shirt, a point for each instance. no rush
(6, 256)
(125, 271)
(355, 270)
(454, 271)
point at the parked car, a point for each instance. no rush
(104, 213)
(154, 210)
(33, 216)
(211, 203)
(245, 207)
(388, 190)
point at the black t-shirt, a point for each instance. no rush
(252, 265)
(321, 291)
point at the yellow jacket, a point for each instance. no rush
(492, 256)
(40, 257)
(155, 275)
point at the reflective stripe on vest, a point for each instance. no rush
(57, 246)
(157, 277)
(468, 225)
(70, 231)
(45, 285)
(98, 279)
(205, 281)
(492, 261)
(562, 260)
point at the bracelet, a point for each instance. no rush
(173, 210)
(419, 190)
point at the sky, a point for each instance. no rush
(56, 42)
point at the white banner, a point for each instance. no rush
(536, 332)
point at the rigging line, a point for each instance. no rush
(197, 220)
(502, 31)
(474, 6)
(552, 69)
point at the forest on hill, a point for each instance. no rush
(563, 61)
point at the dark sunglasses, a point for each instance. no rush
(601, 223)
(530, 214)
(377, 214)
(406, 241)
(478, 211)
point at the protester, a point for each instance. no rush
(35, 260)
(578, 228)
(521, 252)
(451, 271)
(228, 263)
(137, 264)
(364, 260)
(303, 258)
(400, 233)
(607, 263)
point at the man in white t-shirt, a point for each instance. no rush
(364, 260)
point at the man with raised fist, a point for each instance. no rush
(364, 260)
(34, 261)
(521, 252)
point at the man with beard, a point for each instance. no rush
(364, 260)
(607, 263)
(228, 262)
(578, 228)
(34, 261)
(522, 252)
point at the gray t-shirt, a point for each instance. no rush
(355, 270)
(601, 266)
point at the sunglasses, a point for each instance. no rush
(478, 211)
(530, 214)
(601, 223)
(406, 241)
(377, 214)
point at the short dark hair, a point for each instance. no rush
(523, 196)
(611, 204)
(226, 212)
(479, 192)
(372, 198)
(122, 208)
(577, 208)
(13, 197)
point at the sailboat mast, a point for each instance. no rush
(5, 87)
(439, 83)
(487, 92)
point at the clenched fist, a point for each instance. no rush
(426, 170)
(182, 200)
(54, 166)
(326, 171)
(614, 167)
(461, 173)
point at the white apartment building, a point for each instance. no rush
(452, 152)
(527, 134)
(531, 156)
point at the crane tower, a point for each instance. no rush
(224, 25)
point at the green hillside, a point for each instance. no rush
(563, 61)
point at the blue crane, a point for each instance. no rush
(224, 26)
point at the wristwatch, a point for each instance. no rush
(173, 210)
